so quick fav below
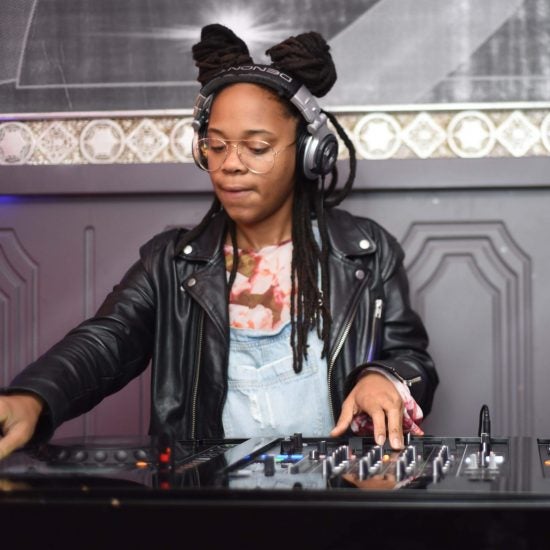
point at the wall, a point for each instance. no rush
(474, 231)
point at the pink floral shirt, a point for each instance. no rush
(260, 295)
(260, 300)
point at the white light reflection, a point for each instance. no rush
(245, 20)
(246, 23)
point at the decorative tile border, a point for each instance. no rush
(377, 135)
(448, 134)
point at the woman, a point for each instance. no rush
(278, 313)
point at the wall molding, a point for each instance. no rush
(465, 134)
(18, 305)
(501, 272)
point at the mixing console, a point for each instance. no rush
(499, 487)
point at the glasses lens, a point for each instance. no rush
(257, 156)
(211, 153)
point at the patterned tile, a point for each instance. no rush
(377, 136)
(102, 141)
(545, 132)
(517, 134)
(146, 140)
(16, 143)
(423, 135)
(471, 134)
(56, 142)
(181, 140)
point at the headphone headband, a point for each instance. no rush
(259, 74)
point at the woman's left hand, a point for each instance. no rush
(375, 395)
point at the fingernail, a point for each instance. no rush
(396, 442)
(380, 439)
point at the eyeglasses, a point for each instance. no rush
(257, 155)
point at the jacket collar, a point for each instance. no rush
(346, 237)
(205, 245)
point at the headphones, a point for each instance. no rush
(317, 147)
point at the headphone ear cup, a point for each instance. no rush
(326, 154)
(200, 125)
(303, 142)
(315, 156)
(195, 148)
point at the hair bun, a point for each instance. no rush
(219, 48)
(307, 57)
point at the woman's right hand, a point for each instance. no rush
(19, 415)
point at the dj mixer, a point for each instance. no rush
(495, 488)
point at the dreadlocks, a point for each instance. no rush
(306, 57)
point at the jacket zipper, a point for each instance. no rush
(198, 359)
(375, 327)
(371, 353)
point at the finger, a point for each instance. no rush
(6, 448)
(415, 429)
(395, 427)
(4, 413)
(379, 425)
(13, 438)
(346, 416)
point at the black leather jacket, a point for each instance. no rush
(171, 307)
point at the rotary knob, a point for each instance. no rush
(100, 456)
(80, 455)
